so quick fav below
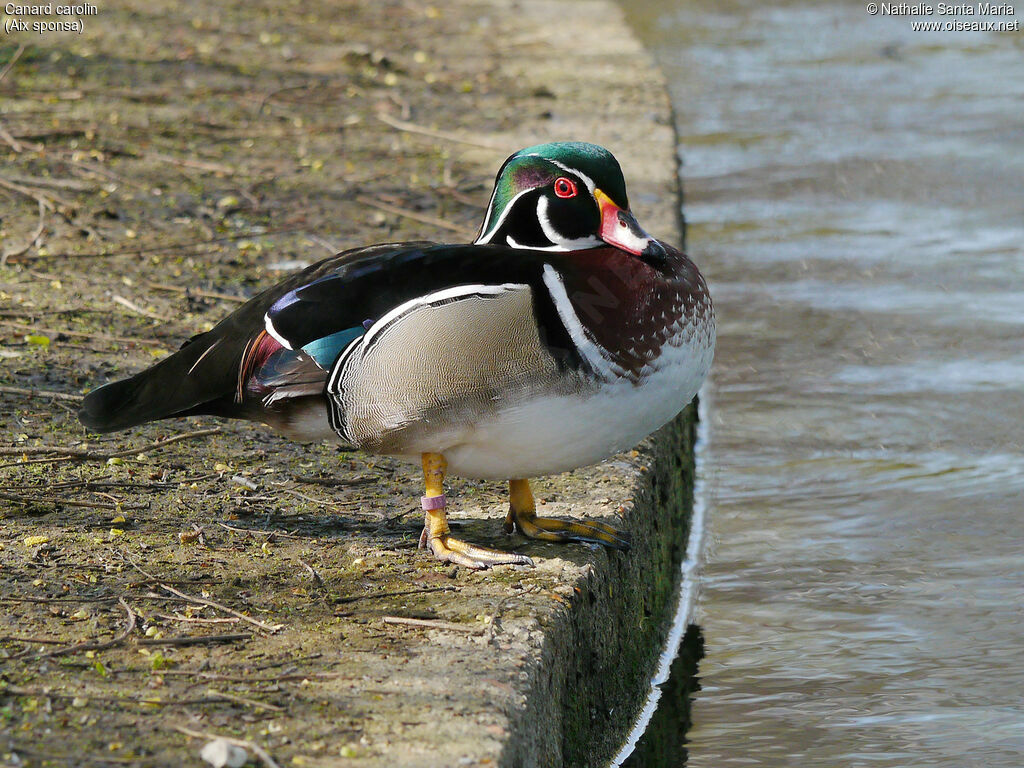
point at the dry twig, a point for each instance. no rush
(49, 199)
(63, 502)
(200, 600)
(195, 639)
(434, 624)
(33, 640)
(7, 599)
(204, 601)
(78, 647)
(250, 679)
(408, 127)
(12, 142)
(199, 165)
(271, 94)
(139, 310)
(47, 182)
(45, 393)
(197, 292)
(401, 593)
(416, 216)
(32, 240)
(333, 481)
(313, 574)
(140, 249)
(256, 749)
(244, 700)
(331, 247)
(196, 619)
(38, 197)
(83, 334)
(336, 506)
(282, 534)
(90, 455)
(12, 62)
(151, 702)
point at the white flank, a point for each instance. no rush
(590, 351)
(547, 434)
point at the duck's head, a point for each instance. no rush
(564, 196)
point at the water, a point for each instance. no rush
(855, 196)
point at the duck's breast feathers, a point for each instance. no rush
(628, 308)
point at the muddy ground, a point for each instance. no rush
(202, 577)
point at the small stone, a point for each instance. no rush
(221, 753)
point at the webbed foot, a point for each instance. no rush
(522, 516)
(436, 535)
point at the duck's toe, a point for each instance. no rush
(522, 516)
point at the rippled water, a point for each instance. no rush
(855, 195)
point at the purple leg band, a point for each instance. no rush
(434, 502)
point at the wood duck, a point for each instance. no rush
(563, 334)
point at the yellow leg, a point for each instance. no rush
(522, 514)
(436, 535)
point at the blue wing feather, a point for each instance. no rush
(326, 350)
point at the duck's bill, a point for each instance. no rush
(621, 229)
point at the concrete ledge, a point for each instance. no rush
(591, 672)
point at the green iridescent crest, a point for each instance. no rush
(540, 165)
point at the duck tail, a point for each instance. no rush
(188, 382)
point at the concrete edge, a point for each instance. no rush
(590, 680)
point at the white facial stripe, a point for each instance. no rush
(486, 237)
(586, 179)
(560, 243)
(595, 243)
(587, 347)
(487, 214)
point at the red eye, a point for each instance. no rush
(565, 187)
